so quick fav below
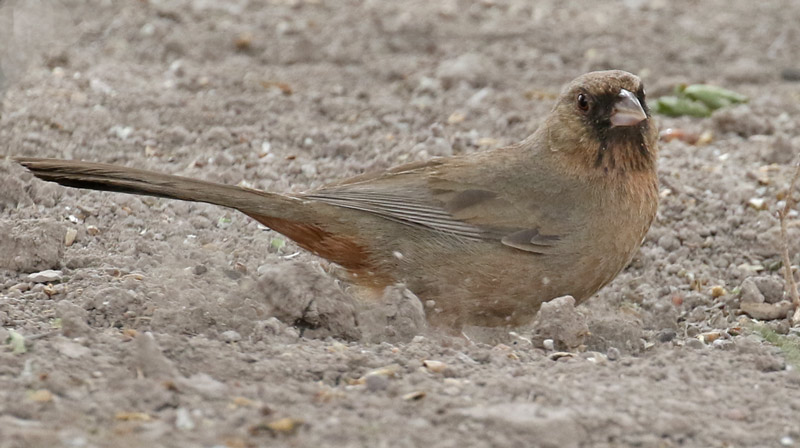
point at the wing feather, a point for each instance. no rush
(418, 195)
(401, 209)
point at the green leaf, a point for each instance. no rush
(16, 341)
(697, 100)
(224, 221)
(676, 106)
(789, 345)
(277, 243)
(713, 96)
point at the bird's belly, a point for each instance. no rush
(506, 287)
(491, 288)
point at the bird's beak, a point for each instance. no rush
(627, 110)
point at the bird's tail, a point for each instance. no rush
(317, 227)
(98, 176)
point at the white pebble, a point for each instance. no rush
(100, 86)
(69, 237)
(121, 132)
(148, 29)
(309, 170)
(47, 276)
(183, 420)
(231, 336)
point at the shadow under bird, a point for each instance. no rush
(488, 236)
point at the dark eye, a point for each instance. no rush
(583, 102)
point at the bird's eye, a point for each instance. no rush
(583, 102)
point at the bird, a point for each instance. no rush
(484, 238)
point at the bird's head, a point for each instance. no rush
(601, 121)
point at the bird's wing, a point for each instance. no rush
(418, 195)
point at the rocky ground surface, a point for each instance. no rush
(130, 321)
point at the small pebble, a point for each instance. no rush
(48, 276)
(284, 425)
(434, 366)
(376, 383)
(121, 132)
(200, 269)
(781, 326)
(69, 238)
(718, 291)
(451, 391)
(217, 134)
(766, 311)
(613, 354)
(455, 118)
(243, 41)
(750, 292)
(771, 287)
(273, 325)
(183, 420)
(758, 203)
(388, 371)
(41, 396)
(231, 336)
(20, 287)
(549, 345)
(669, 242)
(736, 414)
(50, 290)
(309, 170)
(414, 396)
(148, 29)
(723, 344)
(666, 335)
(100, 87)
(232, 274)
(178, 135)
(769, 363)
(695, 344)
(710, 337)
(791, 74)
(561, 356)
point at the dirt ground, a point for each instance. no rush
(189, 325)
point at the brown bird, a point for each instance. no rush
(486, 236)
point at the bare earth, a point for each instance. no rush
(188, 325)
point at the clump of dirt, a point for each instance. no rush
(31, 245)
(561, 323)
